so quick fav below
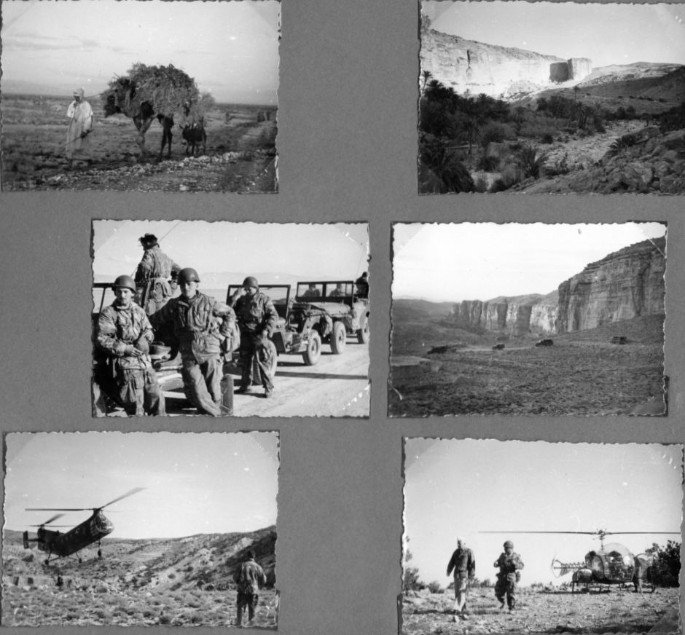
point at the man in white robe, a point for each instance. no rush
(80, 116)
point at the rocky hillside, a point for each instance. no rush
(626, 284)
(475, 67)
(206, 561)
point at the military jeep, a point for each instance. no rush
(321, 313)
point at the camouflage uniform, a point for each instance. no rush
(508, 576)
(127, 378)
(199, 329)
(249, 578)
(255, 313)
(154, 270)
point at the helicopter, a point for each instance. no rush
(612, 564)
(91, 530)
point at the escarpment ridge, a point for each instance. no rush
(625, 284)
(497, 71)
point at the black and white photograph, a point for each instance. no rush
(149, 96)
(551, 97)
(535, 537)
(224, 318)
(140, 529)
(528, 319)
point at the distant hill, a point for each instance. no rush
(163, 563)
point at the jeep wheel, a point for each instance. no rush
(364, 333)
(313, 352)
(338, 338)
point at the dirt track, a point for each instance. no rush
(337, 386)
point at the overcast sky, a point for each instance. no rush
(336, 251)
(462, 487)
(481, 261)
(606, 33)
(229, 48)
(194, 482)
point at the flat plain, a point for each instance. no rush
(240, 154)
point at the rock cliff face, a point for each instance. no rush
(497, 71)
(626, 284)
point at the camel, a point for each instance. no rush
(147, 93)
(122, 100)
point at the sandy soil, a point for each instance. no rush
(583, 374)
(337, 386)
(619, 611)
(240, 154)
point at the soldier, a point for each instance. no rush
(339, 291)
(510, 565)
(312, 292)
(153, 275)
(256, 318)
(124, 335)
(464, 565)
(362, 284)
(201, 330)
(249, 578)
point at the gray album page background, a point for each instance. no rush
(347, 147)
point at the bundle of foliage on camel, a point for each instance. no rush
(147, 93)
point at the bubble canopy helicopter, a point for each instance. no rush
(612, 563)
(91, 530)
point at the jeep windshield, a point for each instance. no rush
(336, 291)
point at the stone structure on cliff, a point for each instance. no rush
(626, 284)
(474, 67)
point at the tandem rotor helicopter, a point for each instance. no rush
(611, 564)
(91, 530)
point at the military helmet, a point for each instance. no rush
(187, 275)
(509, 544)
(250, 281)
(125, 282)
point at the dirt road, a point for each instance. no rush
(337, 386)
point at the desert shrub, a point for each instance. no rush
(511, 175)
(530, 161)
(488, 163)
(441, 171)
(164, 619)
(481, 185)
(495, 132)
(666, 568)
(620, 145)
(673, 119)
(434, 587)
(547, 138)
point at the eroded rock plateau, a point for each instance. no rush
(474, 67)
(625, 284)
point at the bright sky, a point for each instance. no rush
(462, 487)
(303, 251)
(195, 483)
(480, 261)
(606, 33)
(229, 48)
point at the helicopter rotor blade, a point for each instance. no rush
(49, 520)
(135, 490)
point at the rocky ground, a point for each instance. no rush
(581, 374)
(240, 154)
(645, 162)
(538, 612)
(176, 582)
